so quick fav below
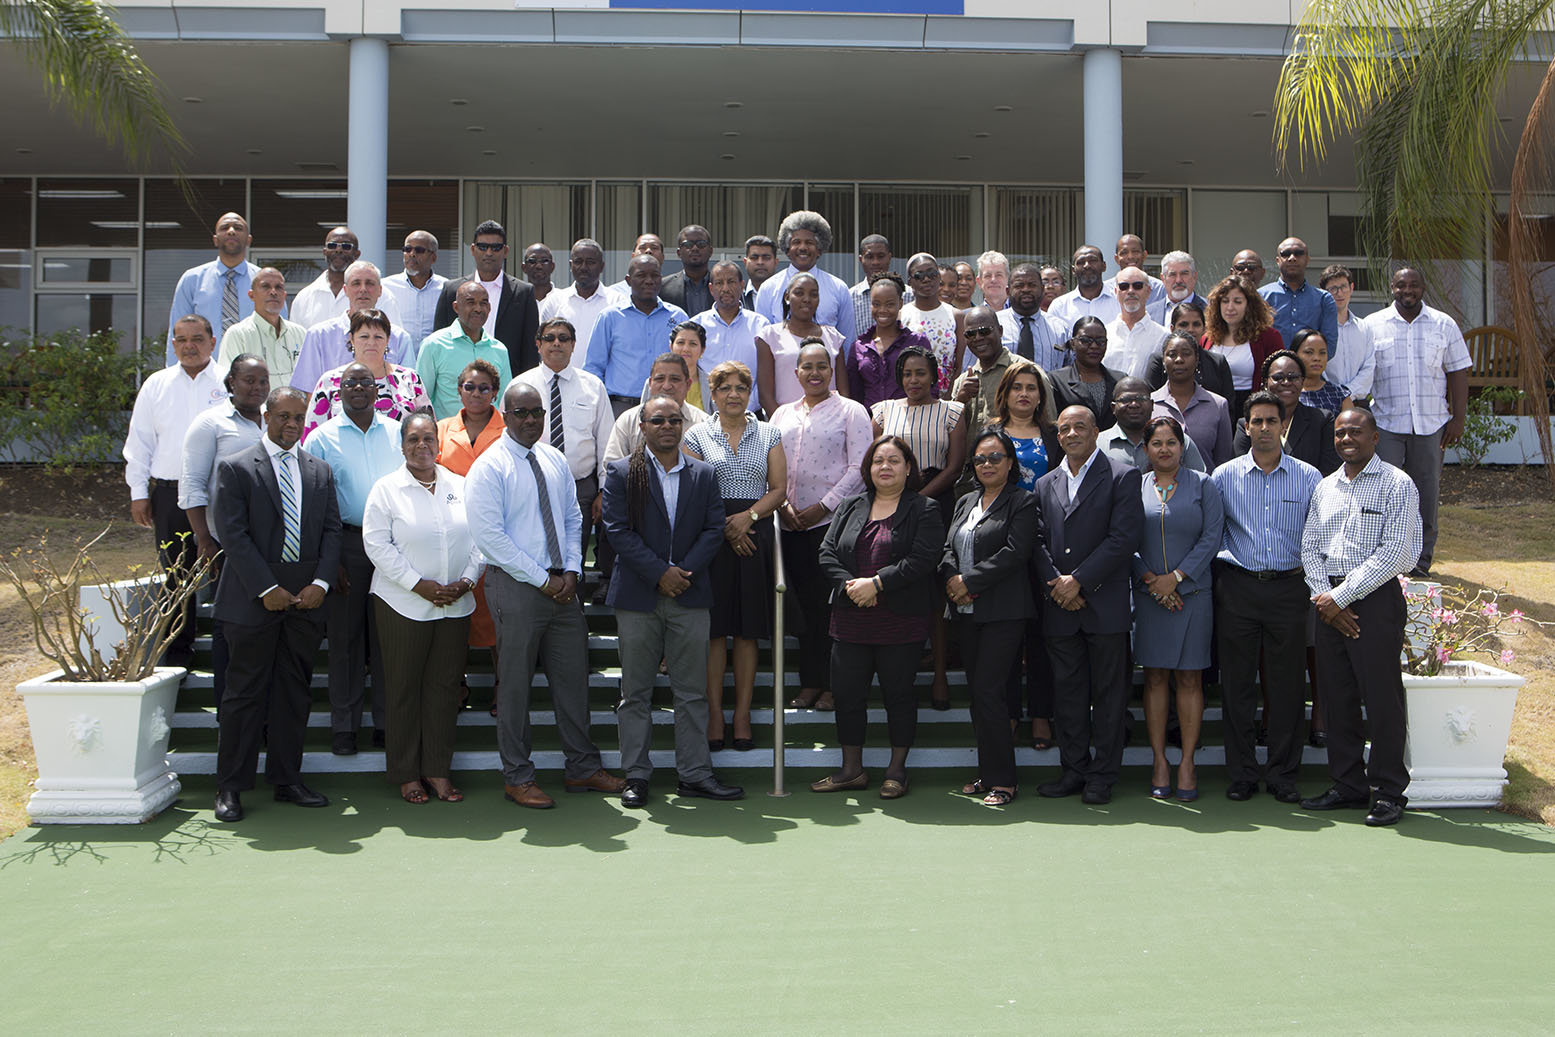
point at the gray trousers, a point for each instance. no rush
(527, 620)
(677, 635)
(353, 638)
(1421, 457)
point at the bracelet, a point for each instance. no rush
(878, 585)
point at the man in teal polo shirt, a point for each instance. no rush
(447, 352)
(628, 336)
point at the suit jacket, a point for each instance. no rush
(1092, 540)
(917, 538)
(1000, 580)
(1310, 438)
(643, 555)
(249, 528)
(1213, 373)
(518, 320)
(673, 289)
(1065, 382)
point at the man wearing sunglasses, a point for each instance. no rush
(1297, 304)
(415, 290)
(514, 318)
(329, 295)
(447, 352)
(1135, 336)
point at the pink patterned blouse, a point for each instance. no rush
(399, 393)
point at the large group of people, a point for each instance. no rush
(1057, 485)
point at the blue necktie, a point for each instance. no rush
(291, 513)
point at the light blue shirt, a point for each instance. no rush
(357, 458)
(625, 341)
(217, 433)
(1265, 511)
(327, 346)
(669, 486)
(502, 504)
(731, 340)
(1047, 335)
(418, 306)
(836, 309)
(200, 290)
(1305, 307)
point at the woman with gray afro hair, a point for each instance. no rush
(804, 237)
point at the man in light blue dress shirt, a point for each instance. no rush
(629, 335)
(731, 329)
(415, 289)
(360, 446)
(1296, 303)
(804, 238)
(218, 290)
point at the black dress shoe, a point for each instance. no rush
(228, 806)
(1242, 790)
(1384, 812)
(709, 788)
(1334, 799)
(635, 794)
(380, 740)
(1318, 739)
(301, 795)
(343, 743)
(715, 745)
(744, 745)
(1060, 788)
(1284, 793)
(1096, 795)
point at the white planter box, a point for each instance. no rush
(1459, 723)
(102, 748)
(96, 602)
(1522, 448)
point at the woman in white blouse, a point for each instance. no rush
(425, 564)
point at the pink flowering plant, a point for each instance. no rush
(1446, 623)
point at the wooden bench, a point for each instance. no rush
(1493, 349)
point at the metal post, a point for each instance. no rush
(1102, 75)
(779, 587)
(367, 146)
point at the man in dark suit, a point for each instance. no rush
(515, 318)
(692, 288)
(1091, 520)
(665, 518)
(278, 522)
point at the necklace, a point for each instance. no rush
(430, 487)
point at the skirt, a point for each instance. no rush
(1167, 640)
(742, 587)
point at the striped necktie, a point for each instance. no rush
(543, 496)
(291, 513)
(558, 436)
(229, 301)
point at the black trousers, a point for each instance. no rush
(1037, 679)
(1366, 670)
(808, 594)
(221, 652)
(1090, 696)
(989, 651)
(175, 546)
(353, 639)
(1253, 614)
(267, 690)
(853, 667)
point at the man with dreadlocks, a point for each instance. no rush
(664, 516)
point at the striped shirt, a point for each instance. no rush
(925, 428)
(1413, 359)
(1365, 529)
(1265, 511)
(742, 472)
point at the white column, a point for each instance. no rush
(367, 155)
(1103, 110)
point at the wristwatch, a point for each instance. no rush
(754, 517)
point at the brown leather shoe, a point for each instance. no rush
(600, 781)
(528, 795)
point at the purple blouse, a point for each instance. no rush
(877, 625)
(871, 375)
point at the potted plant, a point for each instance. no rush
(1460, 709)
(100, 721)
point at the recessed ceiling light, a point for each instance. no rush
(78, 194)
(475, 129)
(256, 151)
(731, 133)
(194, 100)
(984, 135)
(1260, 114)
(24, 151)
(458, 100)
(726, 157)
(1002, 108)
(734, 104)
(963, 158)
(489, 151)
(1185, 162)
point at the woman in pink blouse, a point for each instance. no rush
(399, 389)
(825, 435)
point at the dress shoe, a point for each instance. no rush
(831, 783)
(1318, 739)
(600, 781)
(1334, 799)
(744, 745)
(1096, 795)
(709, 788)
(380, 740)
(343, 743)
(1240, 791)
(1384, 812)
(301, 795)
(1284, 793)
(1060, 788)
(715, 745)
(635, 794)
(528, 795)
(228, 806)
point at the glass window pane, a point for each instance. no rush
(178, 236)
(617, 226)
(556, 214)
(429, 205)
(89, 313)
(835, 202)
(946, 222)
(730, 212)
(89, 212)
(1226, 222)
(119, 270)
(1159, 217)
(1036, 224)
(296, 214)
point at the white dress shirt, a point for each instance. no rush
(418, 306)
(1074, 479)
(315, 303)
(494, 296)
(586, 416)
(627, 433)
(165, 407)
(503, 505)
(412, 535)
(567, 304)
(731, 340)
(1129, 349)
(1071, 306)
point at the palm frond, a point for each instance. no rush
(1535, 334)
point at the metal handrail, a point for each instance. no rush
(779, 587)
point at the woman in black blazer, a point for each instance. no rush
(984, 567)
(879, 554)
(1309, 431)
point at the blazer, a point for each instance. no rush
(1093, 540)
(1000, 580)
(1310, 438)
(643, 555)
(1213, 373)
(249, 527)
(518, 319)
(673, 289)
(917, 538)
(1065, 382)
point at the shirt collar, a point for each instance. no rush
(1372, 467)
(273, 449)
(1084, 467)
(679, 464)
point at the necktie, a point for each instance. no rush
(1027, 346)
(558, 436)
(291, 514)
(552, 545)
(229, 301)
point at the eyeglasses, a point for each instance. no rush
(989, 460)
(695, 243)
(1129, 401)
(489, 246)
(1283, 376)
(1292, 253)
(659, 419)
(521, 413)
(538, 260)
(980, 332)
(356, 383)
(1092, 340)
(484, 390)
(1133, 286)
(923, 275)
(733, 387)
(419, 250)
(557, 338)
(1245, 267)
(339, 246)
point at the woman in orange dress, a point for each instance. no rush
(460, 440)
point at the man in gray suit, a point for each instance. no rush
(278, 522)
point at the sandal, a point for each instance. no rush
(826, 704)
(447, 793)
(999, 798)
(975, 787)
(413, 792)
(806, 698)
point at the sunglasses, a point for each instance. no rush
(695, 243)
(1091, 340)
(924, 275)
(980, 332)
(419, 250)
(557, 338)
(356, 383)
(1293, 253)
(339, 246)
(478, 387)
(989, 460)
(1133, 286)
(1284, 376)
(659, 419)
(489, 246)
(522, 413)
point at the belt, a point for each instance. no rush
(154, 481)
(620, 396)
(347, 525)
(1265, 574)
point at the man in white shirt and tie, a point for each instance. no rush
(581, 302)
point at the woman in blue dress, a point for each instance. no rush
(1174, 608)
